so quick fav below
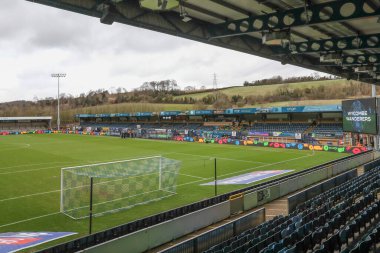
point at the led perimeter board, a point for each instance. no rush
(359, 116)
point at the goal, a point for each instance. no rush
(116, 185)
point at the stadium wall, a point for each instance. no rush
(220, 234)
(165, 232)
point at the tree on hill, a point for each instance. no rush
(294, 79)
(222, 101)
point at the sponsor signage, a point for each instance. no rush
(202, 112)
(219, 112)
(244, 111)
(249, 177)
(143, 114)
(322, 108)
(253, 133)
(170, 113)
(12, 242)
(120, 115)
(264, 110)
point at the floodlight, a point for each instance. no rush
(278, 38)
(159, 5)
(58, 75)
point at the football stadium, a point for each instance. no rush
(260, 179)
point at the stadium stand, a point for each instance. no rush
(322, 130)
(24, 124)
(304, 128)
(280, 127)
(328, 130)
(323, 124)
(345, 218)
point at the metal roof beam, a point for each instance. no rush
(315, 14)
(361, 59)
(336, 44)
(231, 7)
(203, 11)
(356, 60)
(276, 7)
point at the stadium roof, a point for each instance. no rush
(230, 111)
(340, 37)
(25, 118)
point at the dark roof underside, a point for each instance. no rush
(348, 28)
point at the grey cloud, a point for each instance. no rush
(42, 27)
(42, 39)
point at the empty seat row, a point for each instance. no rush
(322, 224)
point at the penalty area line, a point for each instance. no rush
(33, 218)
(29, 195)
(221, 158)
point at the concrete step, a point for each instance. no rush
(277, 207)
(360, 170)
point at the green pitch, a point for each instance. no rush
(30, 168)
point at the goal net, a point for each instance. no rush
(116, 185)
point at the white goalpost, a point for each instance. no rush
(116, 185)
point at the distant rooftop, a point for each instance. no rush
(26, 118)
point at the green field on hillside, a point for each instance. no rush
(31, 164)
(67, 114)
(263, 89)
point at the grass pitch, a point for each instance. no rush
(30, 175)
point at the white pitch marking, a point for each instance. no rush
(34, 164)
(29, 195)
(25, 145)
(45, 168)
(265, 165)
(33, 218)
(222, 158)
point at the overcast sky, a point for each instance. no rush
(37, 40)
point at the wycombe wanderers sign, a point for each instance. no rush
(359, 116)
